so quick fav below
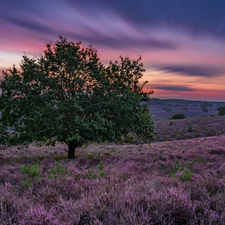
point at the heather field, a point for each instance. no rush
(169, 130)
(166, 182)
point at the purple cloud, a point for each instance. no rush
(191, 70)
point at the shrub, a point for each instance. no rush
(32, 172)
(221, 110)
(185, 109)
(177, 116)
(204, 109)
(190, 129)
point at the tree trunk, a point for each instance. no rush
(71, 153)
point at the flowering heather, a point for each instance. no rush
(172, 182)
(169, 130)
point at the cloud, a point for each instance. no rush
(116, 23)
(32, 26)
(121, 42)
(191, 70)
(94, 22)
(175, 88)
(197, 18)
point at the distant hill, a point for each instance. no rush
(162, 109)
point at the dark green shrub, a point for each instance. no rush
(177, 116)
(185, 109)
(221, 110)
(168, 110)
(190, 129)
(204, 109)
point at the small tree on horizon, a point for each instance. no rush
(221, 110)
(67, 95)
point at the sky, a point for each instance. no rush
(182, 43)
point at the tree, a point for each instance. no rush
(221, 110)
(68, 95)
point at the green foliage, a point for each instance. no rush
(92, 175)
(170, 123)
(101, 166)
(200, 159)
(68, 95)
(177, 116)
(32, 172)
(90, 156)
(221, 110)
(100, 172)
(185, 167)
(128, 138)
(57, 171)
(190, 129)
(186, 176)
(204, 109)
(185, 109)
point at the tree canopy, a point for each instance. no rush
(68, 95)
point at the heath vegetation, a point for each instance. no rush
(123, 172)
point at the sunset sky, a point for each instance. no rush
(182, 43)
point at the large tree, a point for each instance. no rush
(68, 95)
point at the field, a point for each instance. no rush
(163, 109)
(177, 179)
